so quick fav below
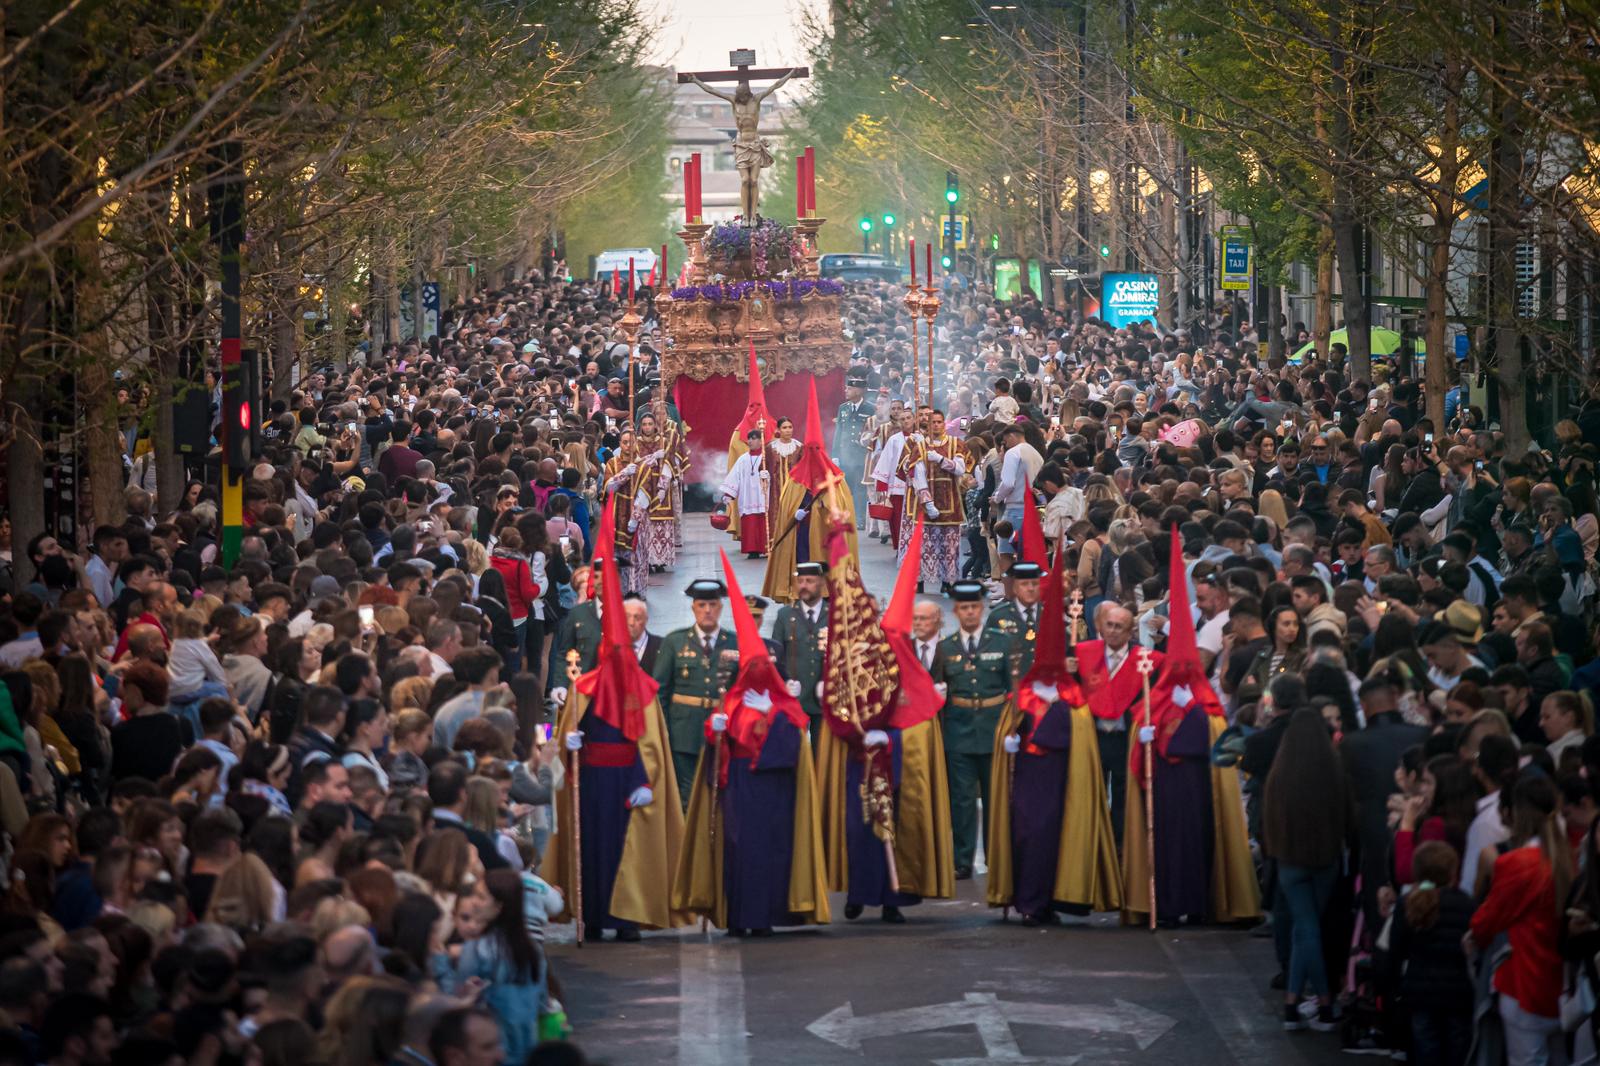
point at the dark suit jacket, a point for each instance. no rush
(652, 644)
(1370, 757)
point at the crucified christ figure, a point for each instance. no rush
(751, 153)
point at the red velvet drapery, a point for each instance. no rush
(712, 408)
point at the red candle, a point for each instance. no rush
(694, 163)
(929, 249)
(913, 260)
(800, 186)
(630, 278)
(662, 271)
(811, 180)
(688, 192)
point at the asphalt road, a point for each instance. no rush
(953, 987)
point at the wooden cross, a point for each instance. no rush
(741, 60)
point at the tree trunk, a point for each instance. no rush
(161, 325)
(1358, 327)
(102, 439)
(1322, 306)
(1505, 219)
(1437, 361)
(1170, 276)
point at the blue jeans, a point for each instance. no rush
(1303, 894)
(1440, 1038)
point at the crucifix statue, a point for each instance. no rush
(751, 153)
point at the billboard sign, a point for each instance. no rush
(1129, 298)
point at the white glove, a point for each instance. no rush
(719, 723)
(641, 797)
(642, 501)
(1045, 691)
(941, 688)
(933, 512)
(757, 701)
(875, 738)
(793, 687)
(800, 515)
(558, 694)
(629, 470)
(575, 740)
(765, 475)
(822, 686)
(1147, 734)
(656, 456)
(1012, 744)
(1182, 696)
(633, 525)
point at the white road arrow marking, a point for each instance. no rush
(993, 1020)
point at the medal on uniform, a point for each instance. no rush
(1028, 635)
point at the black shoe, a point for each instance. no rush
(761, 932)
(593, 933)
(963, 873)
(893, 916)
(852, 911)
(735, 931)
(919, 588)
(628, 936)
(1042, 918)
(1325, 1021)
(1292, 1022)
(752, 555)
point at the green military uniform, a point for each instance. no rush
(803, 645)
(1020, 627)
(580, 629)
(978, 682)
(850, 453)
(693, 681)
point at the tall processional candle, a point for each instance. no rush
(913, 260)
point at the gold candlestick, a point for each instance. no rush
(930, 308)
(913, 302)
(693, 235)
(807, 228)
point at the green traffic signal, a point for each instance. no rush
(952, 195)
(1105, 251)
(944, 261)
(888, 220)
(866, 225)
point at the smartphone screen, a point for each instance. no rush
(367, 615)
(1427, 438)
(545, 729)
(351, 426)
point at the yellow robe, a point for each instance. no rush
(697, 887)
(736, 448)
(924, 853)
(655, 832)
(1087, 870)
(779, 583)
(1235, 894)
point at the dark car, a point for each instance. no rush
(859, 266)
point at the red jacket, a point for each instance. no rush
(520, 589)
(1522, 904)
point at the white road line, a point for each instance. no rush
(711, 1028)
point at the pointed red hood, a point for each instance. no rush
(1050, 645)
(897, 616)
(618, 688)
(814, 466)
(755, 410)
(1180, 668)
(1033, 547)
(747, 727)
(605, 541)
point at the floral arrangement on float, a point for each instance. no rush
(767, 249)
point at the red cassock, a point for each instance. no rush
(1111, 695)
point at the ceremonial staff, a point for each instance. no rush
(1146, 665)
(716, 802)
(766, 486)
(577, 810)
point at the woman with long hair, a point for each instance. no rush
(412, 926)
(1442, 809)
(1526, 901)
(76, 715)
(1286, 652)
(364, 1022)
(523, 594)
(366, 727)
(243, 898)
(1307, 840)
(195, 779)
(155, 823)
(264, 771)
(505, 957)
(450, 865)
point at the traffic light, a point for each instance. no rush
(241, 405)
(866, 225)
(1105, 251)
(945, 261)
(888, 219)
(952, 187)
